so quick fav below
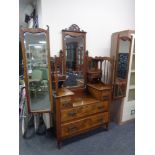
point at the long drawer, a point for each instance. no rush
(84, 110)
(75, 127)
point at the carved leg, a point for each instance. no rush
(106, 126)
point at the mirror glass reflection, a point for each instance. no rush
(122, 67)
(74, 47)
(123, 56)
(37, 70)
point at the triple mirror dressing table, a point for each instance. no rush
(78, 107)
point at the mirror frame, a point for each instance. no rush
(122, 37)
(74, 31)
(125, 39)
(36, 30)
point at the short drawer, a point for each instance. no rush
(100, 94)
(79, 126)
(106, 93)
(81, 111)
(66, 102)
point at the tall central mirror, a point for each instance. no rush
(74, 55)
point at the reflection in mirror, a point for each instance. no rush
(122, 67)
(74, 47)
(123, 55)
(37, 70)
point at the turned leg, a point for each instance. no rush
(106, 126)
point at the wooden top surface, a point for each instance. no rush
(79, 101)
(64, 92)
(100, 86)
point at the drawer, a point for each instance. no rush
(66, 102)
(79, 126)
(95, 75)
(100, 94)
(106, 93)
(81, 111)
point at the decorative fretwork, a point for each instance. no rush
(74, 28)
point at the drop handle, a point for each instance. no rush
(72, 128)
(101, 108)
(105, 97)
(72, 113)
(66, 104)
(100, 120)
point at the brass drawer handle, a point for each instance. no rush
(72, 128)
(72, 113)
(105, 97)
(101, 109)
(66, 104)
(100, 120)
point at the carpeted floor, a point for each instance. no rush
(119, 140)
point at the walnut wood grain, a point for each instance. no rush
(83, 111)
(64, 92)
(67, 129)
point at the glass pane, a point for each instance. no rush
(134, 47)
(131, 95)
(37, 69)
(132, 79)
(133, 62)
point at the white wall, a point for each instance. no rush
(99, 18)
(39, 11)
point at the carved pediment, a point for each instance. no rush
(74, 28)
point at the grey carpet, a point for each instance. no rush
(119, 140)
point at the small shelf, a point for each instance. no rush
(132, 71)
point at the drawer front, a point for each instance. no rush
(66, 102)
(80, 125)
(95, 93)
(81, 111)
(106, 92)
(100, 94)
(94, 75)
